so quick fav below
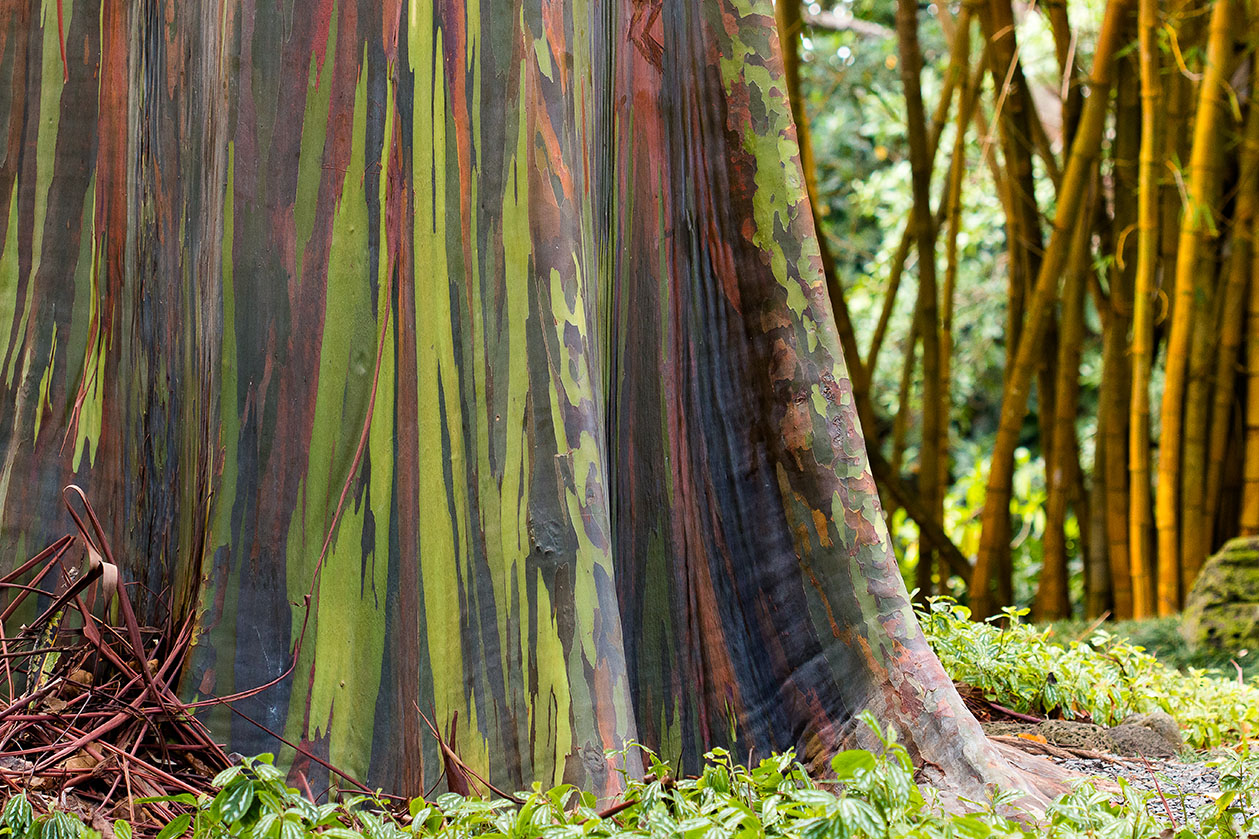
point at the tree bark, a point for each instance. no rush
(482, 368)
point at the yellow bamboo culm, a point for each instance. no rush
(1141, 562)
(1250, 469)
(994, 536)
(1203, 184)
(1233, 311)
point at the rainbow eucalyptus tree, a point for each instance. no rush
(475, 355)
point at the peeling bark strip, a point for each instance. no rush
(523, 304)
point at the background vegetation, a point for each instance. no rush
(1085, 185)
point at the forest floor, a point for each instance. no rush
(1180, 789)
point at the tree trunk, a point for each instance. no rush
(498, 346)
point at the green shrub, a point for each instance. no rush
(872, 794)
(1161, 638)
(1104, 677)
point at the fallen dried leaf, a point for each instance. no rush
(81, 762)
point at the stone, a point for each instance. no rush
(1152, 735)
(1222, 610)
(1079, 735)
(1160, 722)
(1155, 734)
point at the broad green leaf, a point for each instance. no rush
(233, 803)
(177, 828)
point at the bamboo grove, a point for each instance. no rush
(1149, 149)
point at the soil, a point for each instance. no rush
(1146, 752)
(1179, 788)
(1142, 735)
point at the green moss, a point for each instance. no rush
(1222, 610)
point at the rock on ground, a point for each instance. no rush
(1222, 610)
(1152, 735)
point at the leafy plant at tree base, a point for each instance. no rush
(1162, 638)
(1104, 678)
(871, 794)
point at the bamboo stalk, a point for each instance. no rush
(1230, 313)
(900, 423)
(1233, 317)
(1195, 531)
(994, 544)
(1115, 390)
(1098, 579)
(1023, 235)
(1065, 50)
(1176, 105)
(1194, 228)
(958, 33)
(1112, 402)
(1249, 518)
(952, 206)
(1052, 594)
(1141, 560)
(933, 409)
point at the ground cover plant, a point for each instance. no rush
(1103, 677)
(872, 794)
(1162, 638)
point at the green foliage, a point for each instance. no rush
(1103, 677)
(963, 507)
(1162, 638)
(852, 89)
(872, 794)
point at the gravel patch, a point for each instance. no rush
(1187, 787)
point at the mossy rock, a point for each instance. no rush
(1153, 735)
(1222, 610)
